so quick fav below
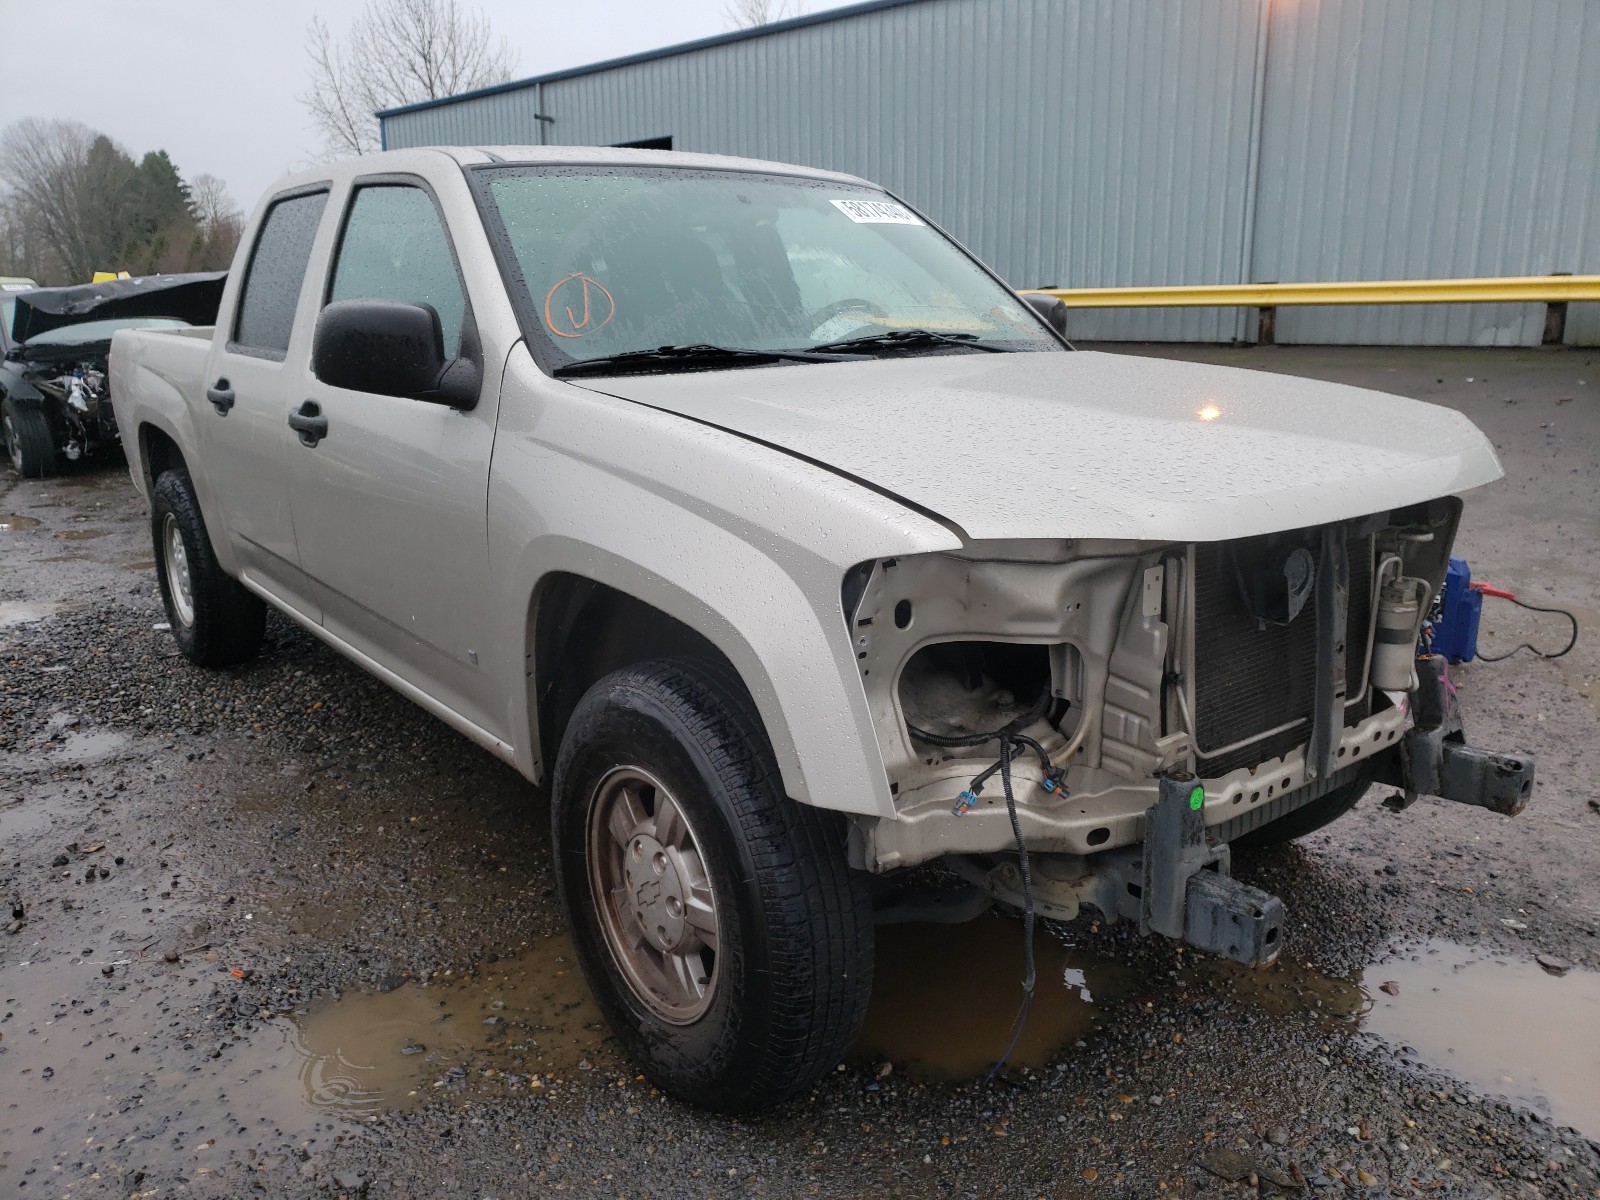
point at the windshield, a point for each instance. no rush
(97, 331)
(615, 260)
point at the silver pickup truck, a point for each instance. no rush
(794, 549)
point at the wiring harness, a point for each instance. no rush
(1012, 741)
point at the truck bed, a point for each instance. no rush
(157, 379)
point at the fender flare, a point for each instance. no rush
(834, 763)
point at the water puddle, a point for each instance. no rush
(944, 997)
(35, 811)
(1504, 1026)
(81, 535)
(1284, 989)
(523, 1019)
(22, 612)
(90, 746)
(9, 522)
(108, 1017)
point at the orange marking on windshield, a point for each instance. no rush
(576, 324)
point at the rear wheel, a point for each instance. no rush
(215, 621)
(1307, 819)
(29, 446)
(724, 937)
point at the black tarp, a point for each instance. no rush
(193, 298)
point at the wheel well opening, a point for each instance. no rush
(159, 453)
(956, 688)
(580, 631)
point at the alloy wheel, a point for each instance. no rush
(653, 892)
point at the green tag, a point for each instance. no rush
(1197, 799)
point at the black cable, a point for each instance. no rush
(1029, 975)
(1044, 759)
(1010, 737)
(1571, 642)
(1040, 706)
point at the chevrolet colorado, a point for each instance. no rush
(794, 549)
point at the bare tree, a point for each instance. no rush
(210, 201)
(48, 168)
(74, 202)
(219, 224)
(747, 14)
(397, 52)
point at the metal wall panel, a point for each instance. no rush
(1583, 325)
(1069, 142)
(1422, 139)
(1105, 143)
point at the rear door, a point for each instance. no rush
(250, 379)
(390, 505)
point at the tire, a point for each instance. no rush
(1306, 819)
(215, 621)
(783, 995)
(29, 446)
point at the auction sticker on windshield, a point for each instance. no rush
(877, 212)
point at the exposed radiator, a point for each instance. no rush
(1248, 681)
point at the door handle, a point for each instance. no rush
(221, 397)
(309, 423)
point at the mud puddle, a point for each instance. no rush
(72, 744)
(90, 746)
(1504, 1026)
(944, 997)
(10, 522)
(33, 811)
(522, 1020)
(22, 612)
(1284, 989)
(110, 1044)
(81, 535)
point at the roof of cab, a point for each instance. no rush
(624, 156)
(468, 156)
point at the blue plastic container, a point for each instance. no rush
(1456, 634)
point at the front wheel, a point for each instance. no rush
(725, 938)
(29, 446)
(215, 620)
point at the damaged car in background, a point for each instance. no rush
(55, 401)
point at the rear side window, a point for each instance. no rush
(277, 269)
(395, 248)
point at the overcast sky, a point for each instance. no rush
(214, 82)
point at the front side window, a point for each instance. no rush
(395, 248)
(277, 269)
(612, 260)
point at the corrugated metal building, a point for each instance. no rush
(1124, 142)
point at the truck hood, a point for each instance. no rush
(1092, 445)
(192, 298)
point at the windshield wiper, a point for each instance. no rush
(691, 356)
(906, 339)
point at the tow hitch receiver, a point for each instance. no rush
(1185, 890)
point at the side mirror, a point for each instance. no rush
(390, 348)
(1052, 308)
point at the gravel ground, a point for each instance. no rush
(281, 933)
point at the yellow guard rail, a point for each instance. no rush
(1556, 291)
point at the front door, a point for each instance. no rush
(390, 505)
(250, 379)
